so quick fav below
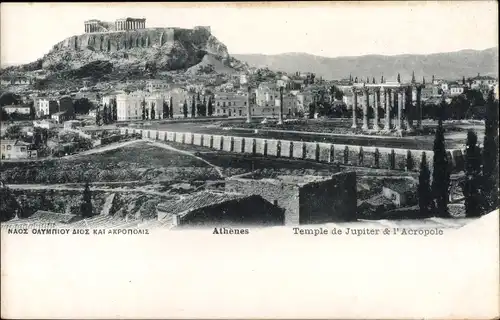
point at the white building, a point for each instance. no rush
(456, 90)
(230, 104)
(130, 106)
(46, 107)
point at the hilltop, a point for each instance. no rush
(137, 53)
(448, 65)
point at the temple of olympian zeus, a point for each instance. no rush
(405, 97)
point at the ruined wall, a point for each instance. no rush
(283, 195)
(329, 201)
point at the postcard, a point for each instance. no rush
(249, 160)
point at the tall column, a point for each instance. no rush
(354, 107)
(388, 107)
(400, 109)
(249, 108)
(280, 119)
(411, 109)
(85, 27)
(419, 107)
(365, 109)
(375, 110)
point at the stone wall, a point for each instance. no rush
(329, 201)
(351, 155)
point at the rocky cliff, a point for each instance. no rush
(166, 48)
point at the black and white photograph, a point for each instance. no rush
(363, 119)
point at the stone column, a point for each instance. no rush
(400, 109)
(388, 108)
(419, 107)
(249, 108)
(280, 119)
(410, 111)
(365, 109)
(354, 107)
(85, 27)
(375, 110)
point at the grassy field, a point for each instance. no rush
(136, 162)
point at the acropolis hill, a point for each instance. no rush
(128, 43)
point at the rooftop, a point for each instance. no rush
(48, 216)
(285, 179)
(197, 201)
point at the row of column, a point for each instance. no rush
(389, 98)
(91, 27)
(130, 25)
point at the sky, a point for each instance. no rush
(331, 29)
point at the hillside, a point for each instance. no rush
(449, 65)
(142, 51)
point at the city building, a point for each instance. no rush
(45, 107)
(209, 209)
(479, 81)
(304, 99)
(16, 149)
(230, 104)
(178, 96)
(400, 193)
(289, 104)
(14, 108)
(456, 89)
(305, 199)
(130, 106)
(72, 124)
(45, 124)
(157, 85)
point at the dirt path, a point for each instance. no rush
(71, 187)
(102, 149)
(168, 147)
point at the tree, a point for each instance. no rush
(193, 108)
(440, 173)
(114, 111)
(490, 153)
(165, 110)
(98, 116)
(463, 80)
(432, 78)
(471, 186)
(32, 110)
(356, 80)
(382, 79)
(423, 80)
(409, 161)
(82, 106)
(86, 209)
(425, 202)
(105, 114)
(14, 132)
(171, 109)
(9, 98)
(210, 107)
(204, 109)
(153, 112)
(143, 103)
(399, 78)
(413, 77)
(185, 109)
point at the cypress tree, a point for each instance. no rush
(86, 209)
(413, 77)
(373, 80)
(399, 78)
(185, 109)
(471, 185)
(115, 112)
(423, 80)
(463, 80)
(171, 108)
(105, 114)
(204, 106)
(382, 79)
(440, 173)
(165, 110)
(98, 116)
(153, 112)
(490, 153)
(143, 110)
(210, 107)
(425, 202)
(409, 161)
(193, 108)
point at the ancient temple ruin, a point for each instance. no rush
(124, 24)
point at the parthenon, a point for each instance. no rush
(124, 24)
(130, 24)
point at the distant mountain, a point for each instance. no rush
(448, 65)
